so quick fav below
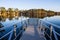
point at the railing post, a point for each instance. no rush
(24, 26)
(28, 22)
(38, 22)
(40, 25)
(15, 29)
(51, 31)
(44, 31)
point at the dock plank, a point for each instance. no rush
(32, 33)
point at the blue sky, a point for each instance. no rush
(29, 4)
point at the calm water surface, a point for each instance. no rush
(8, 23)
(54, 19)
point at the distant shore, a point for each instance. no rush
(32, 13)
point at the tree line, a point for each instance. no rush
(32, 13)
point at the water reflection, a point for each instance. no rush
(0, 18)
(55, 20)
(1, 25)
(8, 23)
(10, 18)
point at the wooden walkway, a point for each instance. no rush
(33, 33)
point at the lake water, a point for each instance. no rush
(55, 22)
(54, 19)
(8, 24)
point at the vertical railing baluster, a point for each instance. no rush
(10, 36)
(43, 31)
(51, 28)
(15, 30)
(55, 36)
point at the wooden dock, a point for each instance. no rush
(33, 33)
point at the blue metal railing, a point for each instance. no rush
(25, 23)
(10, 35)
(53, 30)
(12, 32)
(6, 34)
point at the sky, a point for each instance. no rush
(31, 4)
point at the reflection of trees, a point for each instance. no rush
(3, 19)
(0, 18)
(38, 13)
(10, 12)
(13, 13)
(34, 13)
(50, 13)
(10, 18)
(17, 18)
(3, 12)
(16, 12)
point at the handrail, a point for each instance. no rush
(6, 34)
(18, 34)
(18, 22)
(51, 24)
(54, 32)
(47, 34)
(10, 36)
(54, 26)
(55, 35)
(20, 31)
(42, 24)
(10, 32)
